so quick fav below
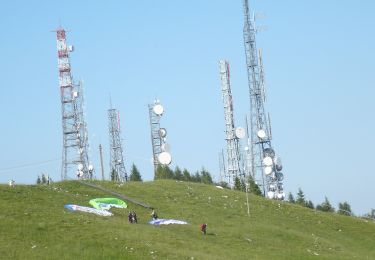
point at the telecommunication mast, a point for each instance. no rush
(265, 162)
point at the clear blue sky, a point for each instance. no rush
(319, 61)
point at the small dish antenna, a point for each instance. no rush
(271, 194)
(158, 109)
(163, 132)
(269, 152)
(280, 176)
(281, 196)
(240, 132)
(261, 134)
(267, 161)
(165, 158)
(268, 170)
(246, 148)
(80, 167)
(91, 167)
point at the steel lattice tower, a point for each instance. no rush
(156, 139)
(75, 137)
(116, 153)
(264, 161)
(233, 156)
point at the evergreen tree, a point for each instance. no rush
(178, 174)
(38, 181)
(310, 204)
(196, 177)
(205, 177)
(253, 187)
(237, 183)
(291, 198)
(325, 206)
(134, 174)
(371, 214)
(168, 172)
(186, 175)
(301, 198)
(160, 173)
(223, 184)
(44, 179)
(344, 209)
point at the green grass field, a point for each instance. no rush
(35, 225)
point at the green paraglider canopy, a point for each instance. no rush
(107, 203)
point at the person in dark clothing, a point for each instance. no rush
(135, 217)
(154, 215)
(130, 217)
(203, 228)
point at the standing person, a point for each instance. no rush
(135, 217)
(130, 217)
(154, 215)
(203, 228)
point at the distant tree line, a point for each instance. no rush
(343, 208)
(164, 172)
(43, 179)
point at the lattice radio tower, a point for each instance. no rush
(232, 134)
(160, 149)
(117, 166)
(75, 138)
(265, 163)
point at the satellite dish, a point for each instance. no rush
(71, 48)
(272, 187)
(278, 164)
(271, 195)
(268, 170)
(162, 132)
(75, 94)
(240, 132)
(166, 147)
(246, 148)
(267, 161)
(91, 167)
(80, 167)
(281, 196)
(158, 109)
(269, 152)
(280, 176)
(261, 134)
(165, 158)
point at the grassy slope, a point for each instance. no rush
(35, 225)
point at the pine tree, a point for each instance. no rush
(237, 183)
(178, 174)
(310, 204)
(344, 209)
(134, 174)
(301, 198)
(291, 198)
(253, 187)
(38, 181)
(205, 177)
(325, 206)
(44, 179)
(186, 175)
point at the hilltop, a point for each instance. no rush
(35, 225)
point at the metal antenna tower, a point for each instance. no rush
(266, 164)
(232, 134)
(117, 167)
(75, 137)
(160, 149)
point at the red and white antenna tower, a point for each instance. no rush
(75, 137)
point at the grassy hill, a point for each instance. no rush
(35, 225)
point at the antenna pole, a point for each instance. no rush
(101, 161)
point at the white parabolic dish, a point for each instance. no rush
(261, 134)
(240, 132)
(267, 161)
(165, 158)
(268, 170)
(158, 109)
(162, 132)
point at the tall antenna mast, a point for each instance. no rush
(160, 149)
(75, 136)
(266, 164)
(232, 134)
(117, 166)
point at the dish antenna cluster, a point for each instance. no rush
(117, 166)
(232, 134)
(160, 148)
(264, 161)
(75, 156)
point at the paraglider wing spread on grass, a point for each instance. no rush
(99, 212)
(166, 222)
(107, 203)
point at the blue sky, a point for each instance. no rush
(318, 57)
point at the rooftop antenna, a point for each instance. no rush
(232, 134)
(75, 137)
(266, 163)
